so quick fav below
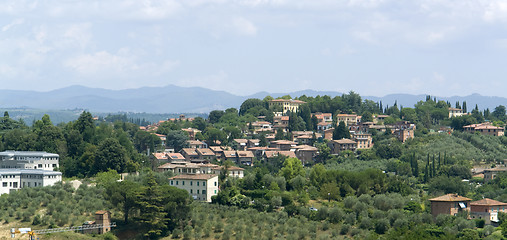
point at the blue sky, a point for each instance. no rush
(374, 47)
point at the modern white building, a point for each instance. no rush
(14, 179)
(200, 186)
(29, 160)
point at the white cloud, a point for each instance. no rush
(244, 26)
(100, 61)
(18, 21)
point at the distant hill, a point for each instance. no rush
(174, 99)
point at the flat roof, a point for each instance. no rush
(28, 153)
(5, 171)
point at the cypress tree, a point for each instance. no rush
(438, 160)
(433, 168)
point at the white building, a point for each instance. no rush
(29, 160)
(200, 186)
(14, 179)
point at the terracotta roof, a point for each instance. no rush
(488, 202)
(245, 154)
(194, 176)
(241, 140)
(190, 151)
(496, 170)
(488, 127)
(451, 197)
(205, 151)
(284, 142)
(195, 142)
(344, 141)
(456, 109)
(229, 154)
(160, 155)
(175, 156)
(272, 154)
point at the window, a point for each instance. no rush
(172, 183)
(197, 183)
(183, 183)
(215, 184)
(197, 191)
(215, 191)
(15, 185)
(191, 183)
(203, 184)
(54, 165)
(176, 182)
(4, 184)
(191, 191)
(203, 191)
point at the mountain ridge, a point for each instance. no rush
(176, 99)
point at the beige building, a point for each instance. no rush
(200, 186)
(451, 204)
(455, 112)
(363, 140)
(348, 119)
(485, 129)
(287, 105)
(487, 209)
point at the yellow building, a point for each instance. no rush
(286, 104)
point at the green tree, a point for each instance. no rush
(177, 140)
(292, 167)
(341, 131)
(123, 195)
(110, 155)
(250, 103)
(86, 126)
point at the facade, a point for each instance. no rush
(487, 209)
(490, 174)
(196, 144)
(323, 117)
(363, 140)
(348, 119)
(200, 186)
(232, 171)
(284, 145)
(240, 144)
(451, 204)
(455, 112)
(307, 154)
(403, 134)
(29, 160)
(337, 146)
(287, 105)
(14, 179)
(245, 158)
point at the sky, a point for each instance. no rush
(372, 47)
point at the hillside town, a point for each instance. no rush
(347, 166)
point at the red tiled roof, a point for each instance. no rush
(451, 197)
(488, 202)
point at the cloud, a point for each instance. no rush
(100, 61)
(18, 21)
(244, 27)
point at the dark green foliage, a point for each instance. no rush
(341, 131)
(177, 140)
